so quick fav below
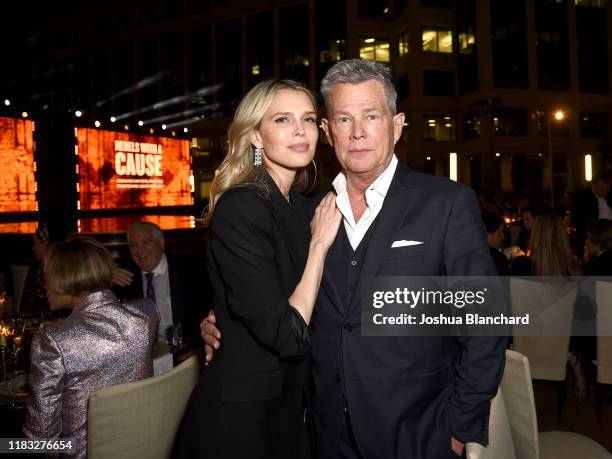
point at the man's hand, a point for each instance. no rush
(457, 447)
(122, 277)
(211, 336)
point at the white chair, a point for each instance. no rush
(603, 295)
(139, 420)
(517, 389)
(20, 274)
(500, 436)
(520, 405)
(545, 342)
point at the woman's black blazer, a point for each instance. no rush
(250, 400)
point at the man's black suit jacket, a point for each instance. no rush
(407, 396)
(190, 292)
(586, 210)
(600, 266)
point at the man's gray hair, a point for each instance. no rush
(355, 71)
(144, 225)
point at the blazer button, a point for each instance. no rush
(337, 377)
(348, 327)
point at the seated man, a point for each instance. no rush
(494, 224)
(598, 248)
(597, 262)
(528, 216)
(592, 203)
(178, 287)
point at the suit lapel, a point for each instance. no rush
(293, 222)
(137, 286)
(327, 282)
(173, 278)
(396, 205)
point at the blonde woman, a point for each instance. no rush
(265, 263)
(549, 249)
(551, 256)
(102, 343)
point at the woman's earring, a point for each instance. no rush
(257, 156)
(314, 166)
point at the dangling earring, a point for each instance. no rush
(314, 166)
(312, 181)
(257, 156)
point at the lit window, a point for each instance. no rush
(594, 125)
(402, 44)
(437, 40)
(407, 131)
(430, 41)
(467, 42)
(471, 128)
(440, 128)
(255, 70)
(510, 123)
(375, 49)
(336, 52)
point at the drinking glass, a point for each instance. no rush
(174, 334)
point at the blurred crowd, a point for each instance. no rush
(527, 237)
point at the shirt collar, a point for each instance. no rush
(94, 298)
(161, 267)
(380, 185)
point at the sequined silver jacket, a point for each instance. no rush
(102, 343)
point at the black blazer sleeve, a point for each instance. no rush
(242, 246)
(132, 291)
(480, 367)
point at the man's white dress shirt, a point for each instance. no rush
(375, 196)
(161, 284)
(604, 208)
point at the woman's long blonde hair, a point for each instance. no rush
(237, 168)
(550, 248)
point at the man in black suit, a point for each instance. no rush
(598, 249)
(178, 286)
(392, 397)
(494, 224)
(592, 203)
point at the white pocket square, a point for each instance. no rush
(404, 243)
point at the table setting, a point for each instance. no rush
(15, 335)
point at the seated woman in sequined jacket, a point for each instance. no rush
(101, 343)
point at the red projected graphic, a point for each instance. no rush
(18, 227)
(17, 184)
(114, 224)
(122, 170)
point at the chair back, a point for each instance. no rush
(545, 342)
(517, 390)
(20, 274)
(140, 419)
(603, 295)
(500, 436)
